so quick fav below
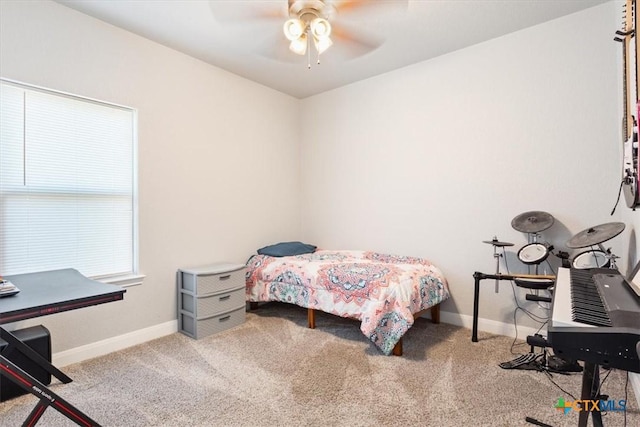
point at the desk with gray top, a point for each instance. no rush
(41, 294)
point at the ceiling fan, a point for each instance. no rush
(309, 20)
(307, 26)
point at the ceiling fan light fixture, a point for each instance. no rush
(309, 22)
(320, 28)
(299, 45)
(322, 44)
(294, 29)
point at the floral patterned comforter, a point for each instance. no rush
(382, 291)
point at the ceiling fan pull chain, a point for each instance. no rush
(308, 54)
(318, 58)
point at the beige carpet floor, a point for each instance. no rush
(273, 371)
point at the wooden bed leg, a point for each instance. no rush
(311, 318)
(435, 314)
(253, 305)
(397, 350)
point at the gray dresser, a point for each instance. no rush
(211, 299)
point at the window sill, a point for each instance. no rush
(125, 281)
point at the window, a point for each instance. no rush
(67, 183)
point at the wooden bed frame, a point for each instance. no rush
(397, 349)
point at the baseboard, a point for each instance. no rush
(110, 345)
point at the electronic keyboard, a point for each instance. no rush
(596, 318)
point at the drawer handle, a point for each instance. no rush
(225, 318)
(225, 277)
(226, 297)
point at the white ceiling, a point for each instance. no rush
(245, 36)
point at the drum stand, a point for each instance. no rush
(533, 238)
(496, 256)
(496, 244)
(610, 256)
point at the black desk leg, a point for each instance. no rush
(35, 414)
(44, 394)
(15, 343)
(476, 297)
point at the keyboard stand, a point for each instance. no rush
(590, 386)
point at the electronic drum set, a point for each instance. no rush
(536, 252)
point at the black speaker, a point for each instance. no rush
(39, 339)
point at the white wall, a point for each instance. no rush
(218, 154)
(429, 160)
(432, 159)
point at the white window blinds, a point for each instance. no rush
(67, 184)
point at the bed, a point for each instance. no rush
(384, 292)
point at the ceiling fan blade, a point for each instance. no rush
(275, 46)
(357, 42)
(233, 11)
(369, 6)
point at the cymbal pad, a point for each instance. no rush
(532, 222)
(497, 243)
(596, 235)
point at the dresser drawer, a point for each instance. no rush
(200, 328)
(213, 303)
(211, 299)
(203, 284)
